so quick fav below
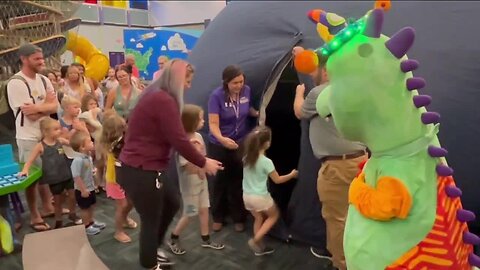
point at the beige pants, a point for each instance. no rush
(334, 178)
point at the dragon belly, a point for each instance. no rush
(443, 248)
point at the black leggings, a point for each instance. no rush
(156, 207)
(227, 193)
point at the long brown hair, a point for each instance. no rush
(191, 117)
(254, 143)
(113, 128)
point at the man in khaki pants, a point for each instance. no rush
(340, 160)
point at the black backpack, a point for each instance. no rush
(7, 116)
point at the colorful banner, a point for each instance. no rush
(115, 3)
(147, 45)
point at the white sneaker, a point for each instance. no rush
(156, 267)
(99, 225)
(92, 230)
(162, 258)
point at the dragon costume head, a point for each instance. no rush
(371, 85)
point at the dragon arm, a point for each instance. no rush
(389, 199)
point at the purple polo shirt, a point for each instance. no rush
(231, 126)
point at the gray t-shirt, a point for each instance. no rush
(82, 166)
(191, 184)
(324, 137)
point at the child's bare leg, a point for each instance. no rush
(71, 204)
(203, 217)
(46, 197)
(272, 217)
(258, 220)
(99, 179)
(87, 216)
(58, 210)
(127, 209)
(31, 195)
(120, 218)
(182, 223)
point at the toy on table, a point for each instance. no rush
(9, 183)
(405, 210)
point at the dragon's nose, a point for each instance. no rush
(315, 15)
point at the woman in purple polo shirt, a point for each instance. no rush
(154, 128)
(228, 109)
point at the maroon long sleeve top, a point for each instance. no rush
(154, 128)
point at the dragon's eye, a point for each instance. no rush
(365, 50)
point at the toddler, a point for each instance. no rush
(56, 171)
(114, 127)
(70, 122)
(82, 172)
(91, 115)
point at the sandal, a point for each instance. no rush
(122, 238)
(40, 226)
(131, 224)
(65, 211)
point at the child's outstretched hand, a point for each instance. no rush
(294, 173)
(23, 173)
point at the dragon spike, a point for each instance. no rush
(430, 118)
(421, 100)
(465, 215)
(474, 260)
(443, 170)
(452, 191)
(409, 65)
(415, 83)
(401, 42)
(471, 238)
(374, 24)
(434, 151)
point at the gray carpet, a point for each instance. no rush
(235, 256)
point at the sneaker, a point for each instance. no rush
(175, 247)
(99, 225)
(265, 251)
(321, 253)
(92, 230)
(212, 245)
(254, 246)
(162, 258)
(75, 219)
(157, 267)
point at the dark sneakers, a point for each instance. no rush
(265, 251)
(258, 250)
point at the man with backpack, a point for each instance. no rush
(31, 97)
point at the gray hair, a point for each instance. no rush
(172, 80)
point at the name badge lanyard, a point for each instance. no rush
(236, 109)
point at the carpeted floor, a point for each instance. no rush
(235, 256)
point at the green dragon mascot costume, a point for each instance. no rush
(405, 210)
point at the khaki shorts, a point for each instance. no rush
(192, 203)
(257, 203)
(25, 148)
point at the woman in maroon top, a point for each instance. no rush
(155, 128)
